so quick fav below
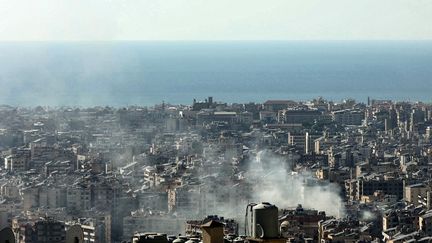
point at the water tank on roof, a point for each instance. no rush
(265, 221)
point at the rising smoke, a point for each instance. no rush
(275, 181)
(269, 177)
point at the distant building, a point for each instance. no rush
(268, 116)
(18, 160)
(303, 141)
(300, 116)
(416, 192)
(196, 106)
(391, 186)
(94, 229)
(193, 227)
(149, 221)
(276, 105)
(49, 231)
(300, 222)
(348, 117)
(185, 199)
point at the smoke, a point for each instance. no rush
(265, 177)
(274, 181)
(367, 216)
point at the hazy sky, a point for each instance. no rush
(214, 19)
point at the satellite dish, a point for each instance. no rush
(74, 234)
(7, 235)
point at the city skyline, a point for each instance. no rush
(203, 121)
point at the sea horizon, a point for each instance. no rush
(122, 73)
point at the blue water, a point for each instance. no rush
(146, 73)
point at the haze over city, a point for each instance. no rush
(192, 121)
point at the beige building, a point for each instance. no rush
(416, 193)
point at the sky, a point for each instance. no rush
(106, 20)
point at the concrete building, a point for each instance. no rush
(184, 200)
(348, 117)
(300, 116)
(300, 223)
(416, 192)
(276, 105)
(49, 231)
(142, 221)
(368, 186)
(18, 160)
(194, 227)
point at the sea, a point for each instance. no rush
(125, 73)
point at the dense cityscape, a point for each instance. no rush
(332, 171)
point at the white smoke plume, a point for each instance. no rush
(274, 181)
